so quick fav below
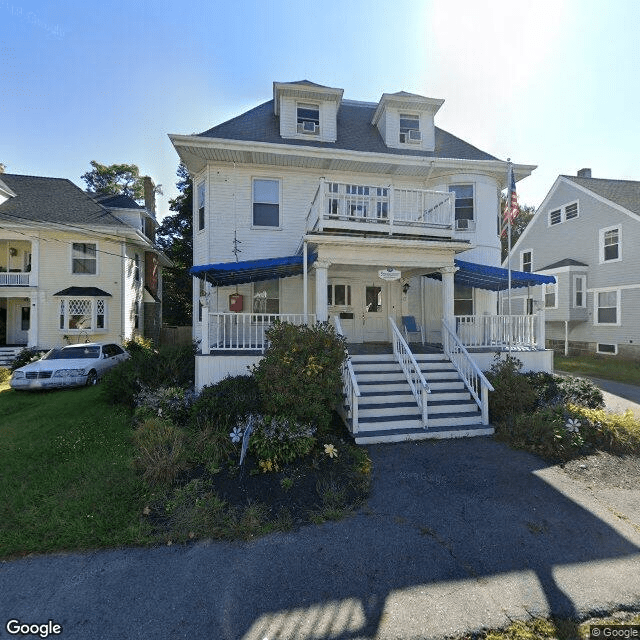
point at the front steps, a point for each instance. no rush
(8, 354)
(388, 411)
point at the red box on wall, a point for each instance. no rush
(235, 302)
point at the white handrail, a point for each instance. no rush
(471, 375)
(411, 369)
(350, 387)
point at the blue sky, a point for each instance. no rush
(554, 83)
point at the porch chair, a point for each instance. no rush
(410, 326)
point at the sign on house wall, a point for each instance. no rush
(389, 274)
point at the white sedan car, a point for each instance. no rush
(71, 366)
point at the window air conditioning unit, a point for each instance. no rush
(415, 135)
(462, 225)
(307, 127)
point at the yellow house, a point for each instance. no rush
(75, 268)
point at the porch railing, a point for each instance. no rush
(350, 389)
(519, 332)
(243, 331)
(343, 205)
(8, 279)
(471, 375)
(411, 369)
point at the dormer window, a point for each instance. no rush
(308, 119)
(410, 128)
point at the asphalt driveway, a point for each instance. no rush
(457, 535)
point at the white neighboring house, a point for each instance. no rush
(586, 233)
(74, 268)
(312, 208)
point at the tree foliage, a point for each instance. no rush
(116, 179)
(175, 238)
(517, 227)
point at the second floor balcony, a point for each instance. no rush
(16, 263)
(339, 206)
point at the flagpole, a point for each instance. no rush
(509, 171)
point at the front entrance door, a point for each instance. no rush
(18, 321)
(375, 312)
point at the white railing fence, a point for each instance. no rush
(386, 205)
(520, 332)
(243, 331)
(411, 369)
(8, 279)
(350, 389)
(471, 375)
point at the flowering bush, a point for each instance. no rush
(171, 403)
(301, 374)
(615, 432)
(280, 440)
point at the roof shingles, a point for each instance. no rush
(625, 193)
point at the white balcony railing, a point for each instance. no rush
(243, 331)
(11, 279)
(339, 205)
(518, 332)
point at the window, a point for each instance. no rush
(525, 261)
(136, 268)
(462, 301)
(550, 297)
(308, 118)
(611, 349)
(610, 249)
(266, 296)
(201, 200)
(136, 315)
(266, 203)
(464, 205)
(339, 295)
(83, 258)
(373, 299)
(409, 128)
(579, 295)
(564, 213)
(82, 314)
(607, 307)
(25, 318)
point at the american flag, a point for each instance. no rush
(511, 209)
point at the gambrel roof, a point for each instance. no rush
(625, 193)
(55, 200)
(355, 133)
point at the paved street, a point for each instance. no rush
(458, 535)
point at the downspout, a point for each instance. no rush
(304, 280)
(566, 337)
(123, 335)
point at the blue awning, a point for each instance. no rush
(230, 273)
(482, 276)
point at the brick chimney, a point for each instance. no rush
(584, 173)
(150, 195)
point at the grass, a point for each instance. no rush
(554, 628)
(66, 474)
(600, 367)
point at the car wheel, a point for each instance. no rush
(92, 378)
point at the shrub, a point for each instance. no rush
(545, 432)
(25, 356)
(169, 403)
(226, 402)
(513, 393)
(615, 432)
(553, 390)
(280, 440)
(5, 374)
(160, 451)
(136, 344)
(168, 367)
(300, 375)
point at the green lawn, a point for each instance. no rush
(600, 367)
(66, 478)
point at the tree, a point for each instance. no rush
(115, 179)
(517, 226)
(175, 238)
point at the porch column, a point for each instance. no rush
(447, 295)
(35, 264)
(322, 306)
(32, 334)
(541, 333)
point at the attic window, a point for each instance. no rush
(308, 118)
(410, 128)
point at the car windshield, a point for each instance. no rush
(73, 353)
